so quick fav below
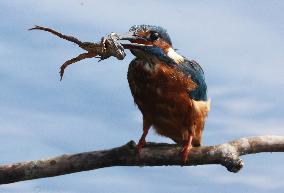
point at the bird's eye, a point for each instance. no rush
(154, 36)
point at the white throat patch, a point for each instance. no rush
(175, 56)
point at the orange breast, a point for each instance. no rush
(161, 94)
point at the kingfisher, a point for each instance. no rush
(169, 89)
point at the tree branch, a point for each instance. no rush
(153, 154)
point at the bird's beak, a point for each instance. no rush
(137, 42)
(131, 37)
(144, 45)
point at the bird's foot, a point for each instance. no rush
(142, 140)
(139, 147)
(186, 150)
(185, 153)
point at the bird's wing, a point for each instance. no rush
(194, 71)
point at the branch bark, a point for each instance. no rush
(153, 154)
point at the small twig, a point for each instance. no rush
(152, 154)
(107, 47)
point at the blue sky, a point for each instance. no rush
(239, 44)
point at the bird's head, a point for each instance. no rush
(151, 42)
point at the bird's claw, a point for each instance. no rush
(185, 153)
(186, 150)
(139, 147)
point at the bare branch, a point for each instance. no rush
(153, 154)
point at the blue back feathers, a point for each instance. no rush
(193, 69)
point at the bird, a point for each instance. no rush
(169, 89)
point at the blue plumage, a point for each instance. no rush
(155, 52)
(193, 69)
(162, 32)
(169, 89)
